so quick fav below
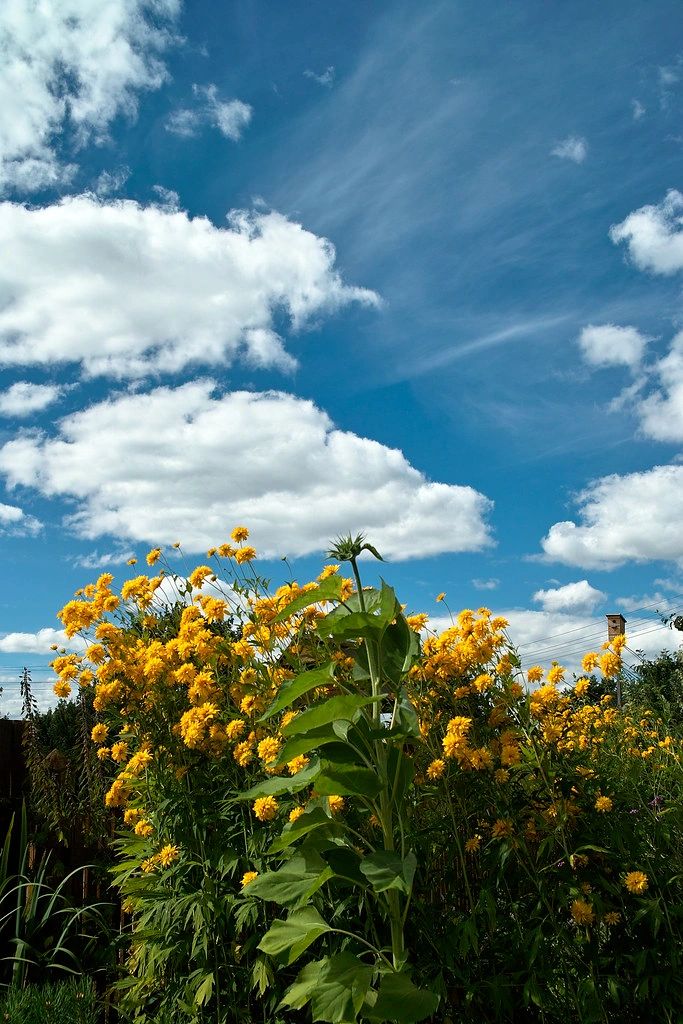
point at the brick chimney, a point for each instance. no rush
(616, 624)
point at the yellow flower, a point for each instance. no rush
(535, 674)
(636, 882)
(556, 674)
(436, 769)
(483, 682)
(610, 664)
(441, 596)
(582, 912)
(603, 804)
(239, 534)
(248, 877)
(243, 753)
(502, 829)
(296, 813)
(265, 808)
(243, 555)
(590, 661)
(417, 622)
(268, 749)
(473, 844)
(131, 815)
(153, 556)
(329, 570)
(143, 828)
(62, 689)
(119, 751)
(167, 854)
(235, 728)
(103, 753)
(581, 687)
(132, 561)
(297, 764)
(501, 775)
(99, 733)
(612, 917)
(336, 804)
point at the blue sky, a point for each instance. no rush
(448, 311)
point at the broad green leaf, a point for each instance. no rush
(295, 881)
(294, 688)
(282, 784)
(346, 780)
(346, 865)
(328, 711)
(406, 720)
(400, 1001)
(310, 821)
(400, 649)
(327, 590)
(386, 870)
(335, 987)
(287, 940)
(303, 744)
(401, 771)
(205, 991)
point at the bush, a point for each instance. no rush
(323, 812)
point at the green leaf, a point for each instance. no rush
(334, 708)
(205, 991)
(386, 870)
(287, 940)
(281, 784)
(327, 590)
(310, 821)
(407, 722)
(346, 780)
(294, 688)
(335, 987)
(295, 881)
(303, 744)
(400, 649)
(346, 864)
(401, 1001)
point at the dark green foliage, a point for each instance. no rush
(70, 1002)
(658, 687)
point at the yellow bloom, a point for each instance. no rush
(612, 917)
(296, 813)
(234, 729)
(268, 749)
(535, 674)
(417, 622)
(132, 561)
(265, 808)
(610, 664)
(473, 844)
(198, 575)
(119, 751)
(581, 686)
(62, 689)
(248, 877)
(329, 570)
(243, 555)
(590, 661)
(336, 804)
(436, 769)
(441, 596)
(502, 829)
(153, 556)
(167, 854)
(582, 912)
(103, 753)
(239, 534)
(501, 775)
(131, 815)
(556, 674)
(603, 804)
(636, 882)
(483, 682)
(99, 733)
(143, 828)
(297, 764)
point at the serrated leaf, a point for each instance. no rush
(386, 870)
(334, 708)
(286, 940)
(295, 881)
(335, 987)
(401, 1001)
(327, 590)
(292, 689)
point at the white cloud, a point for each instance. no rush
(485, 584)
(39, 642)
(15, 522)
(637, 109)
(230, 117)
(103, 559)
(661, 412)
(572, 148)
(24, 398)
(168, 198)
(654, 235)
(126, 289)
(610, 345)
(630, 518)
(572, 597)
(110, 182)
(325, 78)
(635, 603)
(72, 65)
(184, 465)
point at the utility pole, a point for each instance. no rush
(616, 626)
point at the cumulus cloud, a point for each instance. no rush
(110, 182)
(15, 522)
(24, 398)
(572, 148)
(654, 235)
(39, 642)
(572, 597)
(126, 289)
(72, 65)
(489, 584)
(661, 412)
(631, 518)
(230, 117)
(610, 345)
(187, 464)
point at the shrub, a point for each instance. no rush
(69, 1002)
